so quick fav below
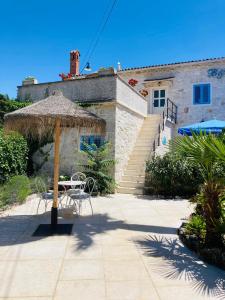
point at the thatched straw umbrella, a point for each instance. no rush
(48, 115)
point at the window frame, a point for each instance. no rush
(158, 98)
(210, 93)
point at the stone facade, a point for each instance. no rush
(178, 81)
(109, 95)
(98, 88)
(128, 124)
(110, 98)
(70, 157)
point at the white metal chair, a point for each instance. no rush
(78, 176)
(43, 193)
(84, 193)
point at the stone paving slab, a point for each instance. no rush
(128, 250)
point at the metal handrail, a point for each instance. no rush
(169, 113)
(161, 127)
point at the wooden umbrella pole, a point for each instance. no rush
(54, 212)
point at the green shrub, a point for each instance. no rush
(7, 105)
(15, 190)
(171, 175)
(13, 155)
(196, 226)
(99, 166)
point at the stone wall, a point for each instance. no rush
(179, 87)
(70, 158)
(128, 124)
(129, 97)
(100, 88)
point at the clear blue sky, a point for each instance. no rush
(36, 36)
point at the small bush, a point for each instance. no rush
(196, 226)
(99, 166)
(15, 190)
(13, 155)
(172, 176)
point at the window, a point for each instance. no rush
(90, 140)
(159, 97)
(201, 93)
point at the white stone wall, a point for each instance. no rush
(100, 89)
(128, 124)
(180, 88)
(167, 134)
(70, 158)
(129, 97)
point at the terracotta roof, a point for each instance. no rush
(172, 64)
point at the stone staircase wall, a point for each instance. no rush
(133, 178)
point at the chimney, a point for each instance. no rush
(74, 62)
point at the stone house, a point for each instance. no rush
(143, 107)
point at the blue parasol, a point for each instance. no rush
(212, 126)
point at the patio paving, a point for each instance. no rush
(128, 250)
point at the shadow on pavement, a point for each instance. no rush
(180, 263)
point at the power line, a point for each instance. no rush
(84, 60)
(98, 35)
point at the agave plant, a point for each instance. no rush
(201, 151)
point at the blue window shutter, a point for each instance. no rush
(206, 93)
(82, 138)
(201, 94)
(90, 140)
(197, 94)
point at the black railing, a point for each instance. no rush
(171, 111)
(161, 127)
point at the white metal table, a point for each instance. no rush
(70, 183)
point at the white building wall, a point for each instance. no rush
(180, 88)
(130, 98)
(99, 88)
(128, 125)
(70, 156)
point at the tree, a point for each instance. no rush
(7, 105)
(200, 150)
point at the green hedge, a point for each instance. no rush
(13, 155)
(172, 176)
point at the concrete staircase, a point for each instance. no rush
(134, 175)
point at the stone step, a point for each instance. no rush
(141, 147)
(145, 139)
(133, 166)
(152, 117)
(133, 178)
(137, 160)
(134, 191)
(131, 184)
(142, 153)
(134, 173)
(136, 178)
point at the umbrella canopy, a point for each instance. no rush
(212, 126)
(39, 118)
(45, 116)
